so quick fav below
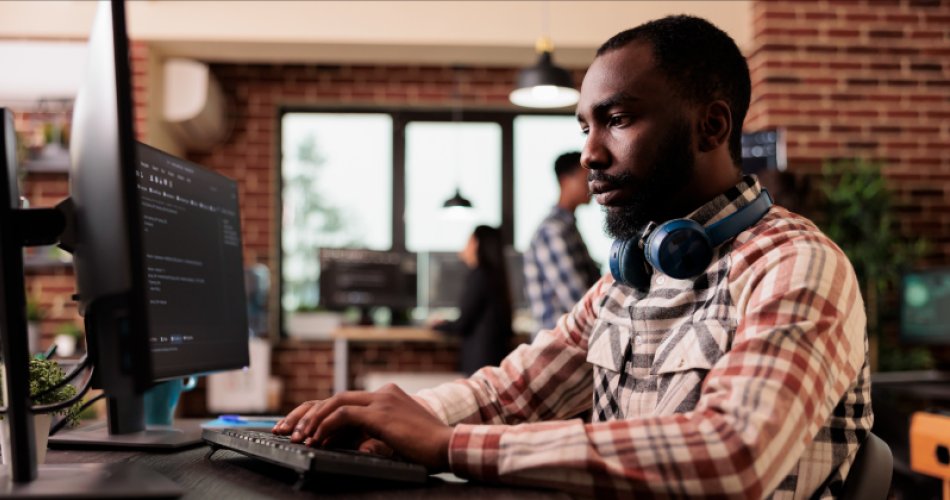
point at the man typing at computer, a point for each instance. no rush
(738, 370)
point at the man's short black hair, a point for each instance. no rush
(701, 61)
(566, 164)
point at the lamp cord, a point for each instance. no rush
(546, 19)
(456, 121)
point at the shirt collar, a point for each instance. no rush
(562, 214)
(729, 202)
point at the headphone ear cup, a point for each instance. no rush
(679, 249)
(628, 265)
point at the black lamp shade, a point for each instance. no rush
(544, 85)
(457, 201)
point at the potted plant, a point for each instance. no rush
(858, 217)
(44, 373)
(313, 323)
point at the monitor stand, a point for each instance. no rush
(185, 433)
(118, 480)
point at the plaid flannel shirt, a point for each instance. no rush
(750, 380)
(558, 269)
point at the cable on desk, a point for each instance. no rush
(58, 426)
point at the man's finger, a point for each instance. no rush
(376, 447)
(342, 418)
(306, 424)
(311, 420)
(286, 424)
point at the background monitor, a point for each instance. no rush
(763, 151)
(925, 307)
(444, 273)
(367, 278)
(444, 279)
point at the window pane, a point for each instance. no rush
(538, 141)
(337, 192)
(443, 156)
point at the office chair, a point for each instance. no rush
(870, 476)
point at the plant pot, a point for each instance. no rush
(41, 424)
(313, 325)
(33, 336)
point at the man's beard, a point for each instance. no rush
(674, 168)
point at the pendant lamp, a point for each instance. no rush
(457, 206)
(544, 85)
(457, 201)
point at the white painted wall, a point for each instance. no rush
(470, 32)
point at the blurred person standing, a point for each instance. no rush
(557, 266)
(484, 321)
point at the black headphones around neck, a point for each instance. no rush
(680, 248)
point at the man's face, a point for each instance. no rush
(639, 146)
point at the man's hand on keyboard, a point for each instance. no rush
(388, 415)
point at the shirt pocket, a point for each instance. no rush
(608, 345)
(681, 366)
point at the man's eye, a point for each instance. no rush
(619, 120)
(585, 131)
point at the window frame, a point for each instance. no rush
(402, 116)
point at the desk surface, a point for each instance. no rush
(233, 476)
(388, 334)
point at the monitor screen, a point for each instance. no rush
(445, 276)
(763, 150)
(514, 261)
(445, 273)
(925, 307)
(195, 290)
(367, 278)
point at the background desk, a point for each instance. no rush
(342, 337)
(895, 396)
(233, 476)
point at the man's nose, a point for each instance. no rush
(594, 155)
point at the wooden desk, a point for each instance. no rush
(233, 476)
(344, 335)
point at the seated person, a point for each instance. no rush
(484, 321)
(749, 379)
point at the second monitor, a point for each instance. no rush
(367, 279)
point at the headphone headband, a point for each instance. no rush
(680, 248)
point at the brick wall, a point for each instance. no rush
(862, 78)
(306, 368)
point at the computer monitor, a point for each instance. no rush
(444, 274)
(925, 307)
(157, 253)
(514, 260)
(443, 278)
(764, 150)
(366, 279)
(102, 224)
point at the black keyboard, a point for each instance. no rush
(309, 461)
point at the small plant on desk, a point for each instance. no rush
(44, 374)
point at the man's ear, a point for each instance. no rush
(715, 126)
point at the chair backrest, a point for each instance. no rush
(870, 476)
